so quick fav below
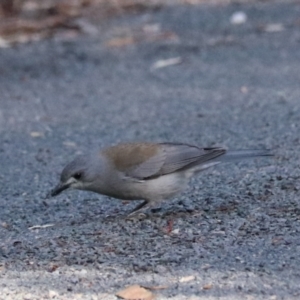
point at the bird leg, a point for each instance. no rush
(139, 208)
(142, 207)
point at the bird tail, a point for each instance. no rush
(232, 155)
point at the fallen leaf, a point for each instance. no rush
(152, 28)
(244, 90)
(52, 268)
(277, 240)
(238, 18)
(4, 43)
(22, 31)
(135, 292)
(216, 41)
(5, 225)
(167, 62)
(120, 42)
(165, 36)
(53, 294)
(175, 231)
(206, 267)
(187, 278)
(86, 27)
(207, 287)
(69, 144)
(170, 226)
(276, 27)
(36, 134)
(41, 226)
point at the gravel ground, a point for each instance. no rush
(235, 232)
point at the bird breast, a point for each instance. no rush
(159, 188)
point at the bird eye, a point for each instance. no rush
(77, 176)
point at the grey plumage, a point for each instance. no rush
(144, 171)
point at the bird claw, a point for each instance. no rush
(136, 215)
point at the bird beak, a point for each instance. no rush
(59, 188)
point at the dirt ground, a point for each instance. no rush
(200, 74)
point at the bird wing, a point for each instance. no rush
(145, 160)
(184, 156)
(136, 160)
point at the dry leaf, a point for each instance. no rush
(53, 294)
(216, 41)
(238, 18)
(41, 226)
(152, 28)
(167, 62)
(135, 292)
(52, 268)
(170, 226)
(207, 287)
(120, 42)
(2, 268)
(206, 267)
(36, 134)
(3, 43)
(244, 90)
(175, 231)
(276, 27)
(5, 225)
(277, 240)
(161, 36)
(187, 279)
(70, 144)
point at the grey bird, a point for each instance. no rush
(152, 172)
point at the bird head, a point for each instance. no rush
(79, 174)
